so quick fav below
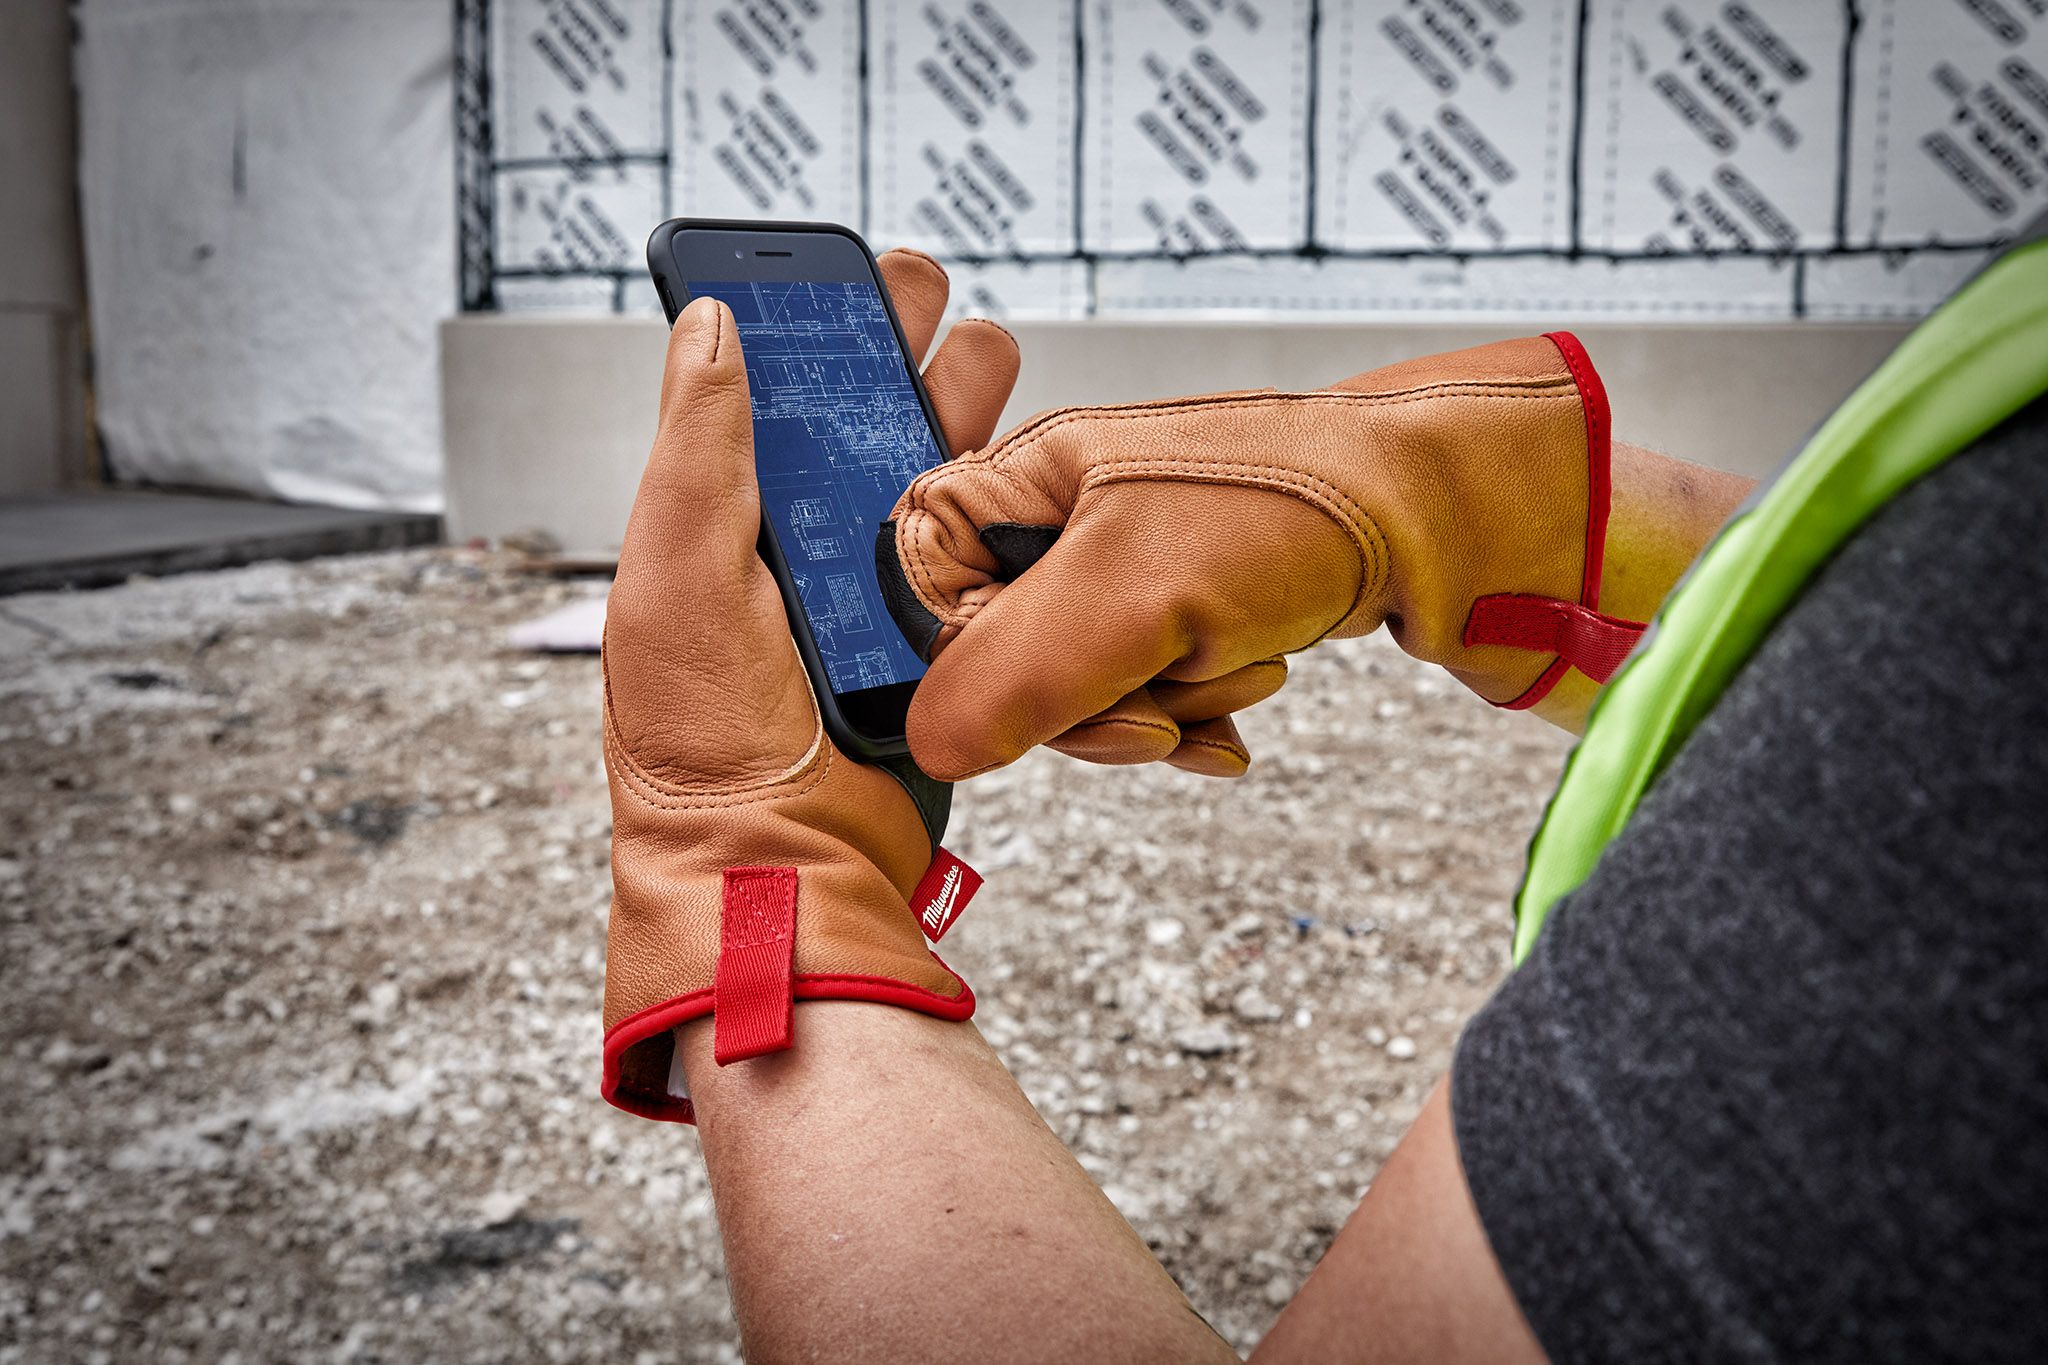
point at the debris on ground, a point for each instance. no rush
(303, 885)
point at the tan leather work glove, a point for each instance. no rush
(753, 863)
(1116, 581)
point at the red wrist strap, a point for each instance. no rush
(754, 987)
(1587, 640)
(1576, 632)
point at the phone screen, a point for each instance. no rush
(838, 434)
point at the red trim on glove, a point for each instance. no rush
(1599, 457)
(1578, 634)
(658, 1018)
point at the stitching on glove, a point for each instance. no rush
(657, 794)
(1374, 568)
(1367, 538)
(630, 768)
(1439, 388)
(1375, 561)
(1235, 751)
(1131, 721)
(921, 581)
(1546, 389)
(755, 925)
(977, 318)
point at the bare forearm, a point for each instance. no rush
(1411, 1277)
(886, 1192)
(1663, 513)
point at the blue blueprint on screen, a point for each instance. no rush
(838, 435)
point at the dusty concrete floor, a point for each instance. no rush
(302, 898)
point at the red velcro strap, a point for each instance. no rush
(942, 893)
(751, 990)
(1593, 643)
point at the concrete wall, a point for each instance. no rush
(42, 392)
(547, 421)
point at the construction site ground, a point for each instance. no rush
(303, 886)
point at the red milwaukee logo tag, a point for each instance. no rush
(942, 893)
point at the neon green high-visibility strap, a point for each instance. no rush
(1977, 360)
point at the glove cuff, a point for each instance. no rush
(1576, 632)
(755, 984)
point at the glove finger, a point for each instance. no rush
(698, 506)
(1187, 702)
(1212, 748)
(970, 380)
(918, 287)
(939, 557)
(701, 673)
(1131, 729)
(1043, 654)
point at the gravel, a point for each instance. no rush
(303, 882)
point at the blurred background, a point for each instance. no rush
(327, 365)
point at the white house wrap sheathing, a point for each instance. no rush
(269, 242)
(270, 185)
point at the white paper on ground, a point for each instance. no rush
(577, 628)
(269, 242)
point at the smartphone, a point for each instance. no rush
(842, 424)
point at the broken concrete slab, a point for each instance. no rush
(94, 537)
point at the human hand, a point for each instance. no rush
(753, 863)
(1176, 549)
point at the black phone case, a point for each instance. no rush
(661, 264)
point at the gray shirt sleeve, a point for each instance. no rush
(1774, 1083)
